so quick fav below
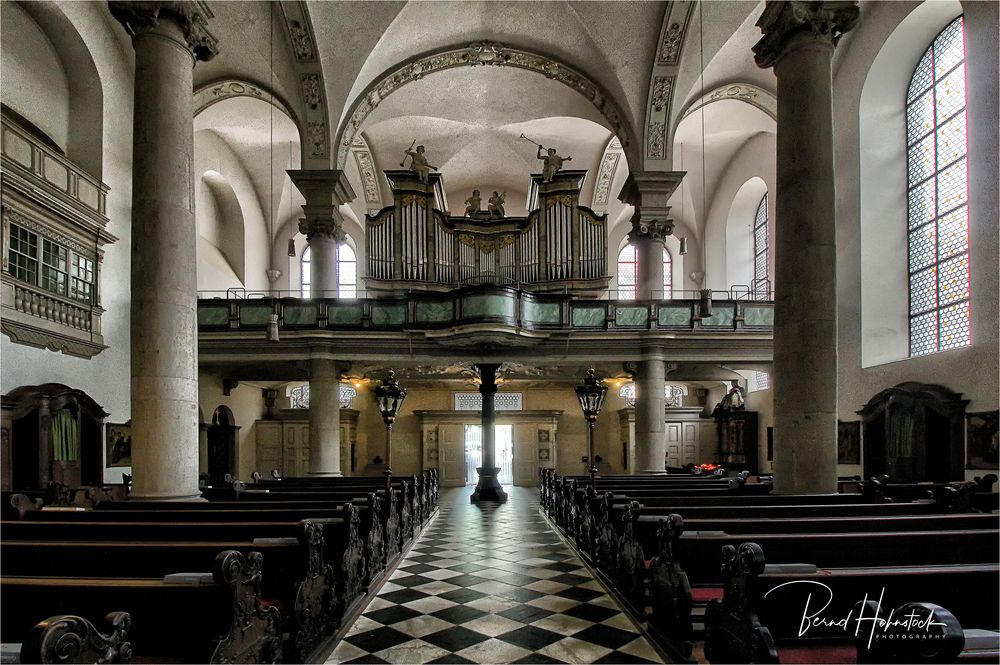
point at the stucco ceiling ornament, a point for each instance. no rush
(656, 140)
(605, 176)
(670, 49)
(662, 87)
(472, 55)
(311, 92)
(316, 131)
(302, 42)
(369, 180)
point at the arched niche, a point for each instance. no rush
(739, 232)
(223, 446)
(229, 228)
(51, 432)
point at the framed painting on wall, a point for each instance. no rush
(849, 442)
(981, 440)
(118, 444)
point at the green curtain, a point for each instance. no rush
(65, 436)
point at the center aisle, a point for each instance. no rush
(492, 583)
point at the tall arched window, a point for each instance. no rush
(628, 273)
(937, 196)
(760, 281)
(347, 271)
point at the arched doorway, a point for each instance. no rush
(223, 446)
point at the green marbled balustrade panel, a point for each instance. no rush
(487, 306)
(434, 312)
(758, 316)
(300, 315)
(213, 316)
(541, 312)
(384, 316)
(344, 315)
(722, 317)
(255, 315)
(631, 316)
(674, 316)
(588, 317)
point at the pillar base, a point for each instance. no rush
(330, 474)
(488, 488)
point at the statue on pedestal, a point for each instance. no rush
(418, 163)
(472, 204)
(496, 204)
(553, 163)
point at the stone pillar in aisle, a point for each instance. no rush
(324, 417)
(798, 42)
(651, 224)
(650, 416)
(168, 38)
(324, 191)
(488, 488)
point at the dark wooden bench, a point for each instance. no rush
(219, 618)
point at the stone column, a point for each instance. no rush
(651, 224)
(488, 488)
(324, 417)
(324, 191)
(168, 38)
(798, 41)
(650, 417)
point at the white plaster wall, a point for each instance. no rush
(32, 71)
(106, 377)
(739, 232)
(971, 370)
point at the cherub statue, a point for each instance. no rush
(496, 204)
(735, 398)
(418, 162)
(472, 203)
(553, 163)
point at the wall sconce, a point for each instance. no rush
(684, 246)
(291, 246)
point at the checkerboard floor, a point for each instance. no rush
(492, 583)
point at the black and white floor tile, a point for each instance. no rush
(492, 583)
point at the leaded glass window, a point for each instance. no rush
(82, 279)
(299, 396)
(23, 254)
(760, 281)
(628, 272)
(668, 265)
(937, 197)
(54, 266)
(306, 272)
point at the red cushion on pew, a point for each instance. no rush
(647, 564)
(818, 654)
(267, 602)
(705, 594)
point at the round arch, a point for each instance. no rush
(488, 54)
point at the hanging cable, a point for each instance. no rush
(704, 149)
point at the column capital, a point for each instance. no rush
(649, 192)
(142, 16)
(783, 20)
(324, 191)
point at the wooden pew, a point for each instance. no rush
(218, 619)
(752, 623)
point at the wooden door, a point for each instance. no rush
(525, 440)
(689, 444)
(452, 455)
(674, 439)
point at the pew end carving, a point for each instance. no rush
(315, 598)
(255, 633)
(73, 639)
(670, 590)
(353, 566)
(733, 632)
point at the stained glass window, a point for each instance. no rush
(628, 273)
(761, 285)
(937, 196)
(347, 271)
(299, 396)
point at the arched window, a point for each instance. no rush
(760, 280)
(306, 271)
(937, 196)
(347, 271)
(628, 273)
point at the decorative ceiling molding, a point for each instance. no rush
(315, 125)
(471, 55)
(368, 172)
(606, 175)
(656, 147)
(213, 93)
(740, 92)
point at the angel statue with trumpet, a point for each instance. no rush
(552, 161)
(418, 163)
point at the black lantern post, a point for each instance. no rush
(591, 394)
(390, 396)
